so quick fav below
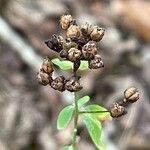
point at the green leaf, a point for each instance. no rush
(83, 100)
(67, 148)
(94, 128)
(84, 65)
(65, 117)
(64, 64)
(100, 116)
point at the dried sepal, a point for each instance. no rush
(47, 66)
(74, 54)
(65, 21)
(55, 43)
(86, 30)
(73, 84)
(131, 95)
(63, 54)
(97, 33)
(58, 83)
(96, 62)
(117, 110)
(73, 31)
(89, 50)
(43, 78)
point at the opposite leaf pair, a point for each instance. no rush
(91, 120)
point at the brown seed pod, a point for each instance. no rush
(69, 44)
(65, 21)
(131, 95)
(116, 110)
(96, 62)
(73, 84)
(89, 50)
(63, 54)
(74, 54)
(47, 66)
(55, 43)
(58, 83)
(73, 31)
(86, 29)
(43, 78)
(97, 33)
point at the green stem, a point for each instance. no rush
(82, 112)
(76, 114)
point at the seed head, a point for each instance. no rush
(131, 95)
(65, 21)
(96, 62)
(74, 54)
(73, 84)
(89, 50)
(97, 33)
(43, 78)
(116, 110)
(73, 31)
(58, 83)
(47, 66)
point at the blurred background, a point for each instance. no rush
(28, 111)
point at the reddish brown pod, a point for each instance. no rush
(65, 21)
(96, 62)
(58, 83)
(43, 78)
(117, 110)
(131, 95)
(47, 66)
(89, 50)
(97, 33)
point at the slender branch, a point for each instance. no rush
(82, 112)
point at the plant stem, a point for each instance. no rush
(82, 112)
(76, 114)
(76, 111)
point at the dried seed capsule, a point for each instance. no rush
(89, 50)
(117, 110)
(73, 31)
(131, 95)
(74, 54)
(73, 84)
(96, 62)
(63, 54)
(58, 83)
(43, 78)
(55, 43)
(86, 29)
(47, 66)
(69, 44)
(65, 21)
(97, 33)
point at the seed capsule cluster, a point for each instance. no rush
(80, 42)
(59, 83)
(118, 109)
